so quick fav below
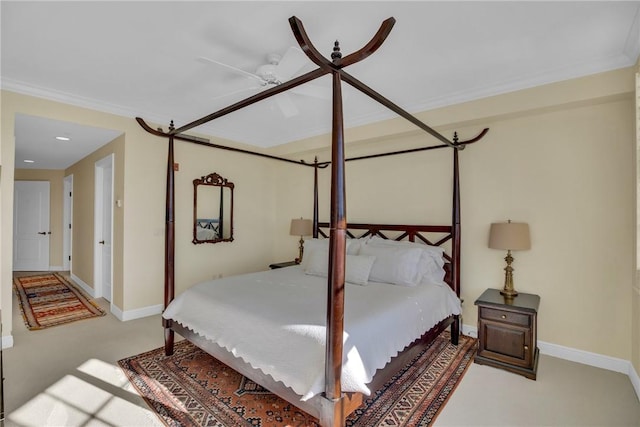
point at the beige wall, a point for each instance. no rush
(139, 174)
(82, 251)
(254, 215)
(559, 157)
(7, 160)
(56, 203)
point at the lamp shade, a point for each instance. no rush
(301, 227)
(509, 235)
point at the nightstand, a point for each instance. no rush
(282, 264)
(507, 336)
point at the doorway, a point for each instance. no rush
(103, 228)
(31, 230)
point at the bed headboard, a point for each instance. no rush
(434, 235)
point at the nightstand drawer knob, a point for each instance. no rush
(526, 347)
(503, 317)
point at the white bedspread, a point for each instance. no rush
(275, 321)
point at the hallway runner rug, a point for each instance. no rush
(191, 388)
(50, 300)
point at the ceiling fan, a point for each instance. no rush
(276, 71)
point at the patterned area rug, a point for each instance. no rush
(191, 388)
(50, 300)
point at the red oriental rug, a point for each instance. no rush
(191, 388)
(50, 300)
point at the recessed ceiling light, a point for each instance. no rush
(29, 161)
(63, 138)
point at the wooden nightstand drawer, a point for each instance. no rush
(505, 316)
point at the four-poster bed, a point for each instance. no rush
(332, 402)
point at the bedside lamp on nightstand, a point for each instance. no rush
(512, 236)
(301, 227)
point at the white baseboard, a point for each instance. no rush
(580, 356)
(585, 357)
(7, 341)
(88, 289)
(55, 268)
(138, 313)
(471, 331)
(635, 380)
(116, 311)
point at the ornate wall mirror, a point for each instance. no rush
(212, 209)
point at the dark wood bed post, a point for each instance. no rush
(315, 197)
(455, 247)
(332, 411)
(169, 247)
(337, 245)
(455, 220)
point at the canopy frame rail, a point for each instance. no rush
(408, 151)
(200, 141)
(325, 67)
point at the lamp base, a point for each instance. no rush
(509, 293)
(301, 250)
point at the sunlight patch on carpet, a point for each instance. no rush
(97, 394)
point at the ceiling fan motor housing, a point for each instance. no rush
(267, 71)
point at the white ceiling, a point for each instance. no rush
(141, 58)
(37, 143)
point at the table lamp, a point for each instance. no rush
(512, 236)
(301, 227)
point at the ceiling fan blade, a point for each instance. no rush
(284, 102)
(233, 69)
(246, 89)
(286, 105)
(313, 91)
(292, 61)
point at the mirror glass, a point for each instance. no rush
(212, 209)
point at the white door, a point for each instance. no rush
(31, 226)
(103, 226)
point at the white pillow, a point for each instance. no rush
(352, 246)
(435, 251)
(431, 265)
(311, 245)
(356, 270)
(394, 264)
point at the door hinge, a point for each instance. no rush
(69, 257)
(69, 193)
(69, 226)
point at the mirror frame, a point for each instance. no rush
(212, 180)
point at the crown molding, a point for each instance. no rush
(624, 59)
(24, 88)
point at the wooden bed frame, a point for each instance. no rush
(349, 401)
(332, 406)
